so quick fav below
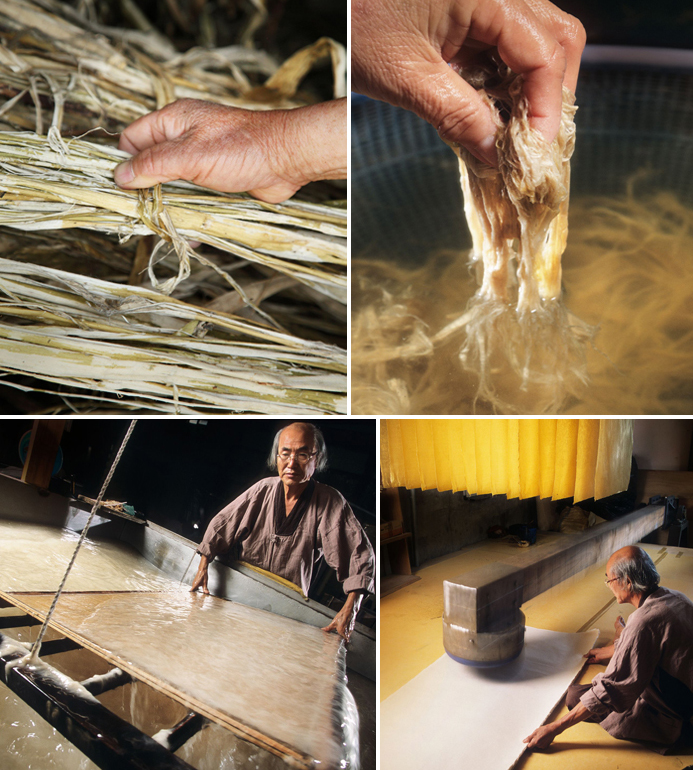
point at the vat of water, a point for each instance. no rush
(121, 557)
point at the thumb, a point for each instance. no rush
(454, 108)
(159, 163)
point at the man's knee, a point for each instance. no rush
(572, 697)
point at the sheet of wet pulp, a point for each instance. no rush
(452, 715)
(274, 675)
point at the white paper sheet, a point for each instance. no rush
(454, 716)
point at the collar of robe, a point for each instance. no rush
(287, 525)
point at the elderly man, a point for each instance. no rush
(283, 523)
(646, 692)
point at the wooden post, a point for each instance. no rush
(43, 449)
(395, 541)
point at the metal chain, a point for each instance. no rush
(37, 644)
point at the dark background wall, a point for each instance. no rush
(443, 522)
(180, 473)
(666, 24)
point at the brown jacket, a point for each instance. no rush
(327, 525)
(646, 692)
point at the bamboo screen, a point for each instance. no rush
(514, 457)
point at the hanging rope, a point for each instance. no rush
(37, 644)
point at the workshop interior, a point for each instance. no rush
(493, 530)
(135, 671)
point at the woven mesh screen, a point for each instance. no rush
(406, 200)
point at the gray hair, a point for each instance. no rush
(639, 569)
(318, 446)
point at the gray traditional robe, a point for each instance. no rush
(646, 692)
(326, 525)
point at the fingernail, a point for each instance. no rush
(123, 173)
(487, 150)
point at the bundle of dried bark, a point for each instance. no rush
(261, 269)
(85, 338)
(49, 63)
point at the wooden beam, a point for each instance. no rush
(482, 620)
(566, 558)
(43, 449)
(109, 741)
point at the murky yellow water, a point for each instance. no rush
(30, 743)
(276, 675)
(34, 557)
(627, 271)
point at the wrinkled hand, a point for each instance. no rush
(542, 737)
(342, 623)
(270, 154)
(600, 654)
(200, 578)
(401, 54)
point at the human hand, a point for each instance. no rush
(600, 654)
(542, 737)
(200, 578)
(408, 56)
(270, 154)
(343, 622)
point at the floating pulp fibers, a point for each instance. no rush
(627, 270)
(526, 350)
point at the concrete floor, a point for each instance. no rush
(411, 639)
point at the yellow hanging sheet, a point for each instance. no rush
(548, 458)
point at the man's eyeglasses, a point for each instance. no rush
(302, 457)
(606, 582)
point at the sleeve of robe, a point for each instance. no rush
(233, 522)
(629, 672)
(347, 549)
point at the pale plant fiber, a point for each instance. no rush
(525, 351)
(99, 342)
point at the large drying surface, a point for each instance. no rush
(415, 613)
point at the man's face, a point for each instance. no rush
(296, 441)
(619, 586)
